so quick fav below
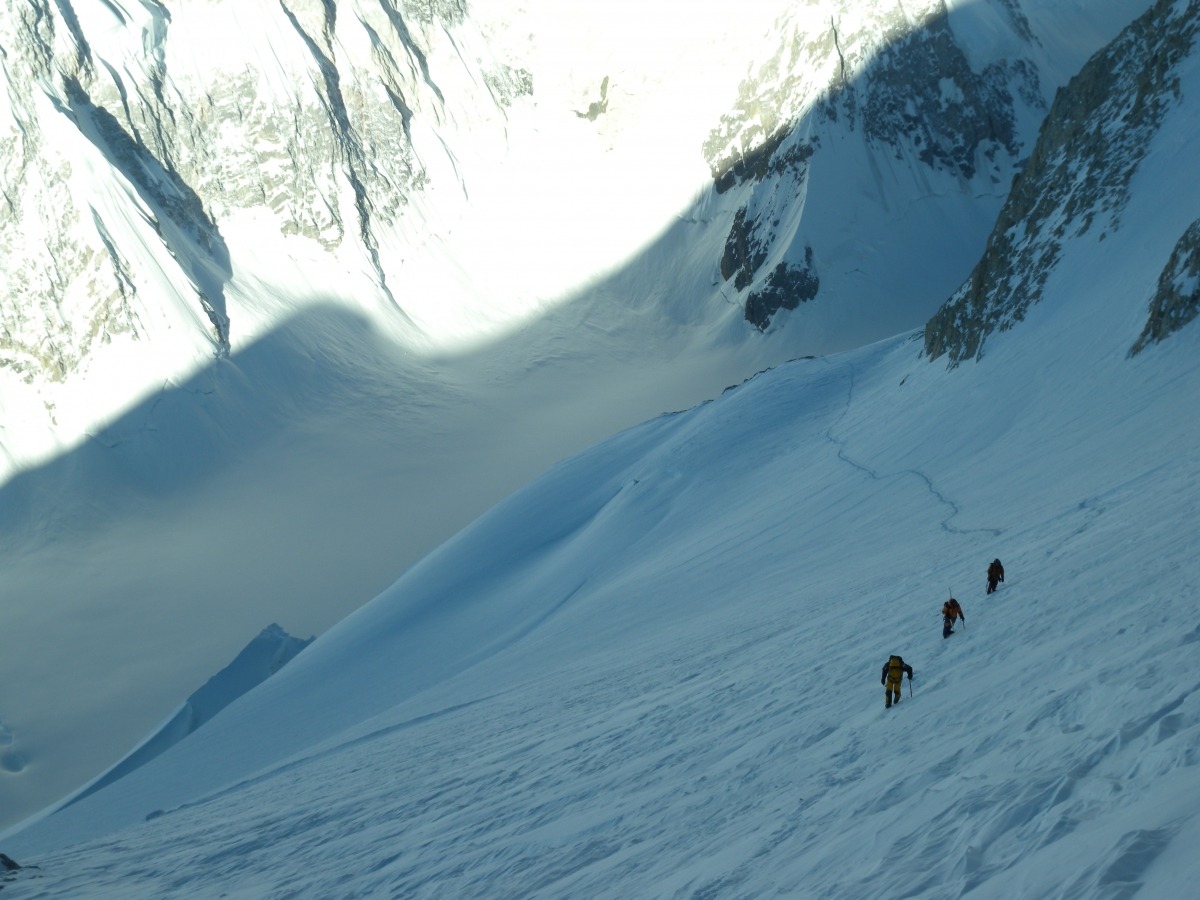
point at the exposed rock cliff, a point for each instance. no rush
(897, 78)
(1177, 299)
(1077, 179)
(135, 137)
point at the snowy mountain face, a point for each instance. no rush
(142, 140)
(291, 292)
(169, 170)
(1078, 181)
(892, 77)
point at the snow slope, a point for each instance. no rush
(652, 672)
(296, 291)
(269, 652)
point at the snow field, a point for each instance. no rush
(677, 695)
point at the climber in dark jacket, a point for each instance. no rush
(890, 678)
(995, 575)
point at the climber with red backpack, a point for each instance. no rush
(951, 611)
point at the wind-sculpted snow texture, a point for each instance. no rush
(1093, 142)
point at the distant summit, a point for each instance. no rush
(259, 660)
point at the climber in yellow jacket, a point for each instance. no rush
(891, 677)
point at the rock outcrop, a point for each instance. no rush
(894, 78)
(1176, 302)
(1077, 178)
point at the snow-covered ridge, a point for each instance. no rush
(269, 652)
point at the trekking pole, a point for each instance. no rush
(909, 687)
